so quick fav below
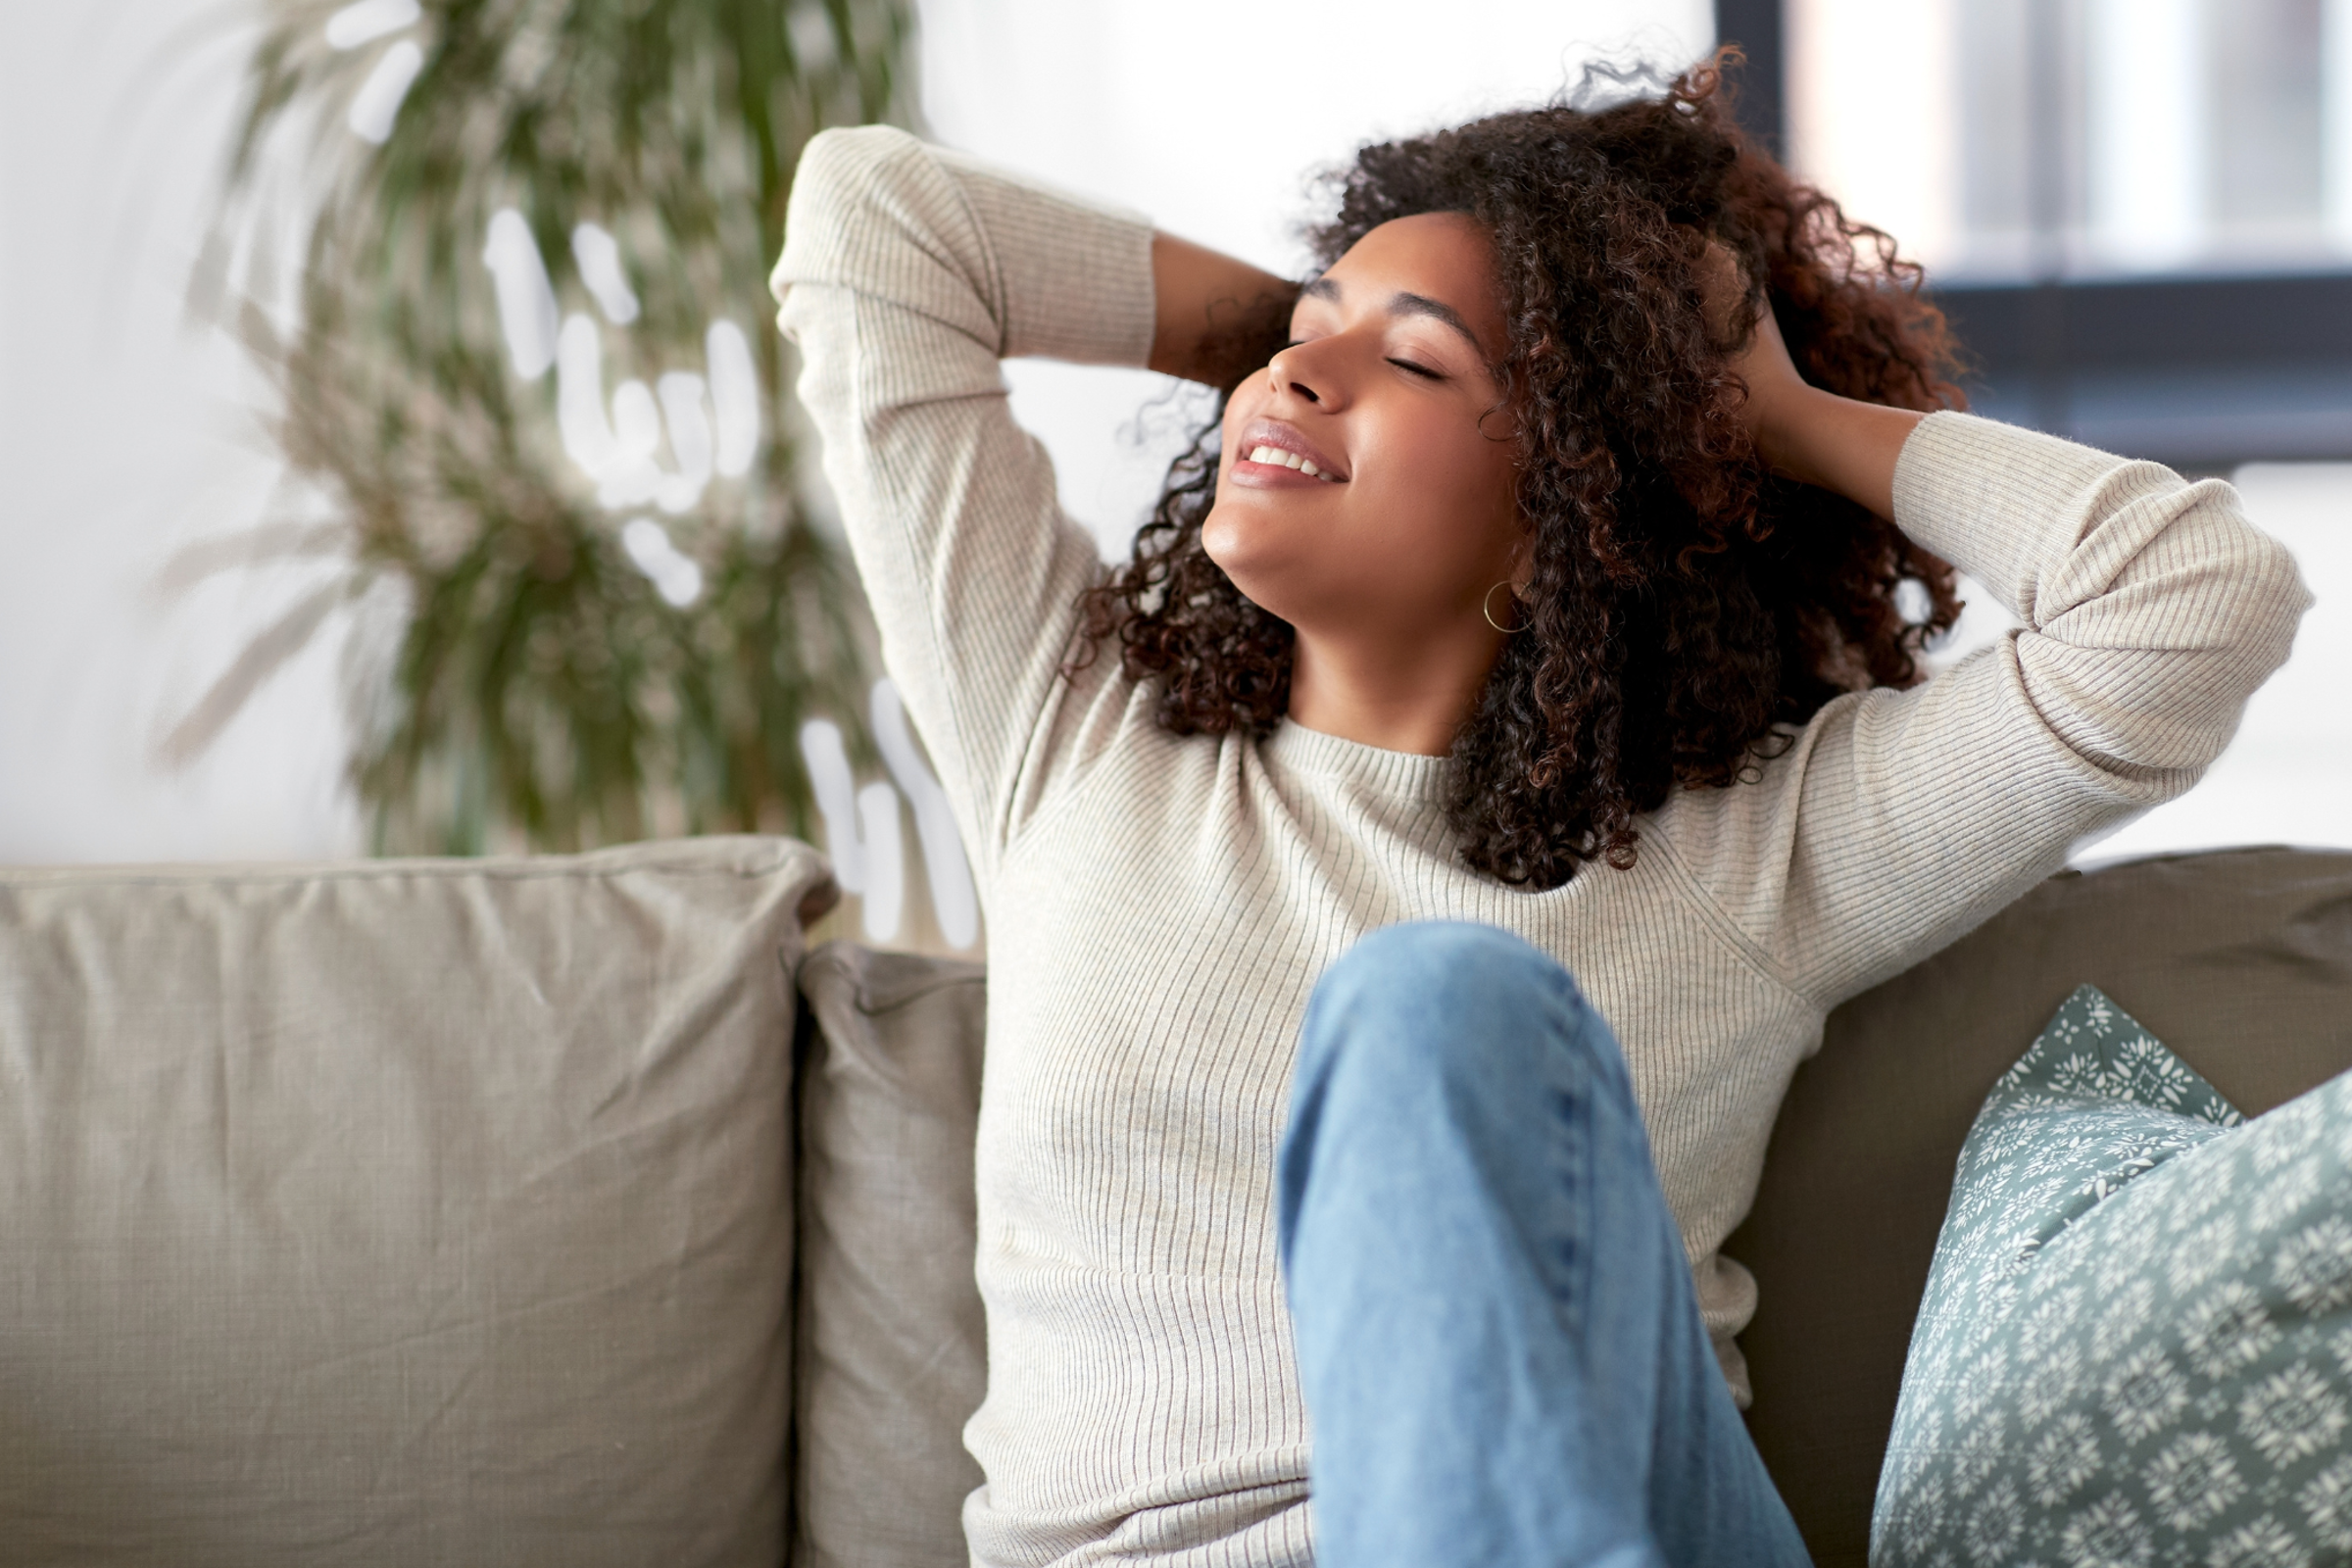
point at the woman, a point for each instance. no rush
(1526, 613)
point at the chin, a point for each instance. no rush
(1241, 546)
(1236, 563)
(1280, 562)
(1230, 539)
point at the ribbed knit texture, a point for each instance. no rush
(1160, 907)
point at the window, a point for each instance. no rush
(2138, 210)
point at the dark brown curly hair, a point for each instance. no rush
(1686, 609)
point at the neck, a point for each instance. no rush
(1407, 694)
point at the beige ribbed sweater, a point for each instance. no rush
(1160, 907)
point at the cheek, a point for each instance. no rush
(1455, 494)
(1242, 527)
(1248, 402)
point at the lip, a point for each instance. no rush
(1264, 432)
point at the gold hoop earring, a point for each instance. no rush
(1486, 608)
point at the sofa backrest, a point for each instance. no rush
(445, 1210)
(399, 1212)
(2240, 961)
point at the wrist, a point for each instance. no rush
(1841, 445)
(1214, 319)
(1790, 426)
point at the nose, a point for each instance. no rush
(1297, 370)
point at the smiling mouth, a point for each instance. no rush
(1279, 458)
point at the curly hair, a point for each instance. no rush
(1687, 610)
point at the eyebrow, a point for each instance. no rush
(1403, 303)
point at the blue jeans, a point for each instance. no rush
(1501, 1356)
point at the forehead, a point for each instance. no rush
(1438, 265)
(1438, 238)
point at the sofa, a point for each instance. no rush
(572, 1210)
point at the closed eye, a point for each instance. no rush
(1417, 370)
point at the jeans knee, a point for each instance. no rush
(1443, 998)
(1450, 1057)
(1401, 964)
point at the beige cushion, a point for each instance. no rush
(402, 1213)
(893, 1353)
(2240, 961)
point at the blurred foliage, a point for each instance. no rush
(538, 691)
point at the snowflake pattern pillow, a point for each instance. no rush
(2135, 1347)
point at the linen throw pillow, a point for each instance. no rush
(2135, 1347)
(403, 1212)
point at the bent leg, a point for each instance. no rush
(1501, 1356)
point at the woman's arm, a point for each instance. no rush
(1212, 314)
(1897, 820)
(1801, 431)
(907, 273)
(1844, 446)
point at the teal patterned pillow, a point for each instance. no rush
(2135, 1347)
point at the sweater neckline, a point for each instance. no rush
(1296, 749)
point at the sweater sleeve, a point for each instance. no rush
(1898, 820)
(907, 273)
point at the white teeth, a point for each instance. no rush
(1289, 459)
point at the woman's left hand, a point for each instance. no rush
(1800, 431)
(1775, 389)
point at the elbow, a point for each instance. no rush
(2288, 577)
(2276, 598)
(2241, 595)
(2152, 699)
(835, 188)
(2255, 622)
(836, 170)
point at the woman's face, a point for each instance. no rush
(1410, 517)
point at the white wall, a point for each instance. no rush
(125, 433)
